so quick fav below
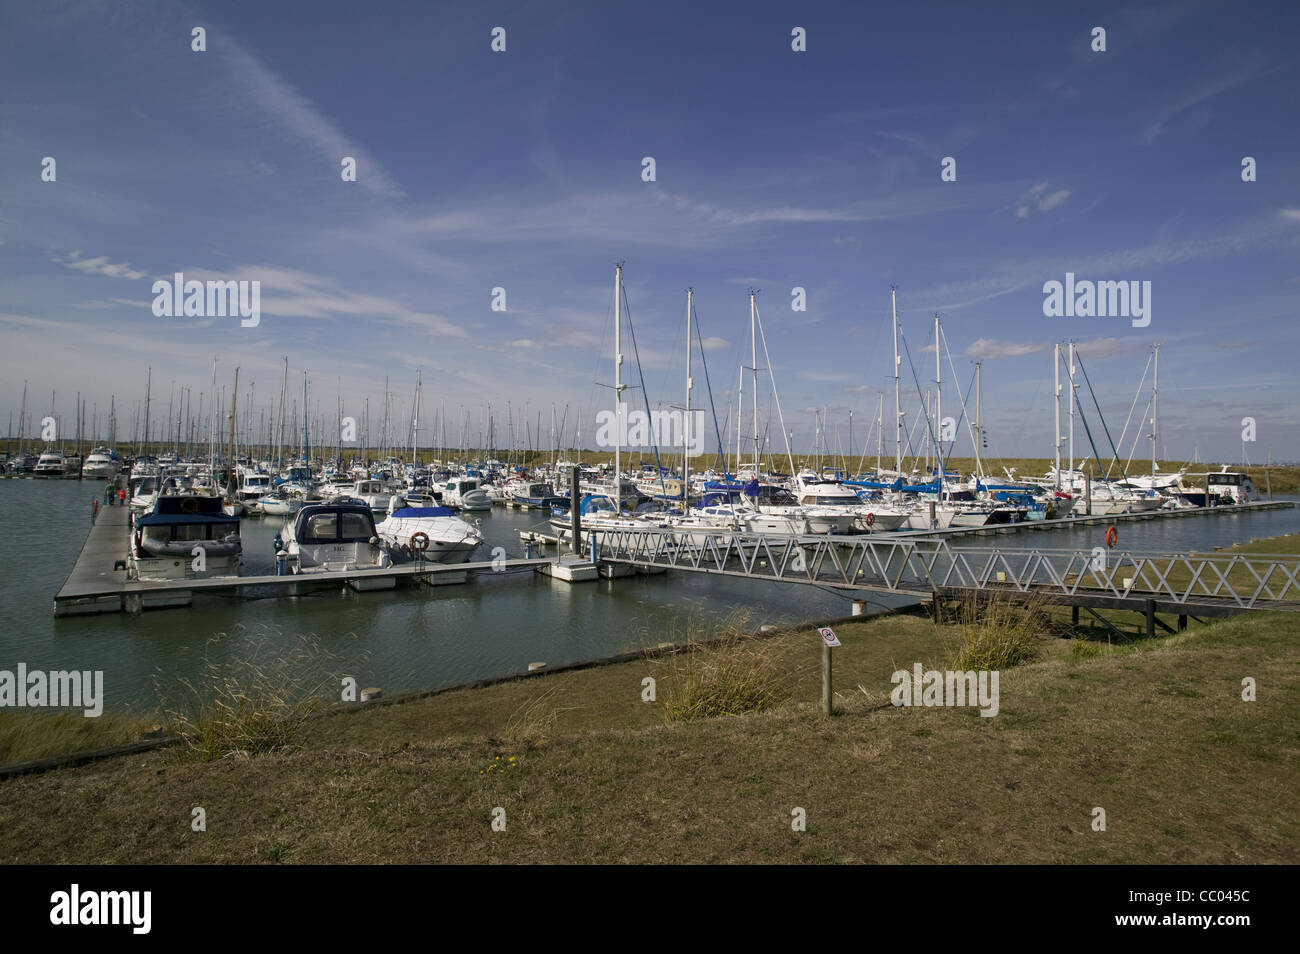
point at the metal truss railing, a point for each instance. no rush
(876, 562)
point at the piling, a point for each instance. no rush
(575, 512)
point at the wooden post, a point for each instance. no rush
(1182, 621)
(1074, 615)
(575, 512)
(827, 697)
(1151, 619)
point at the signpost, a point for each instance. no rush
(829, 641)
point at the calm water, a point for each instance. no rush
(419, 638)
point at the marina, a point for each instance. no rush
(419, 637)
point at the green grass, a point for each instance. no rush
(588, 772)
(28, 736)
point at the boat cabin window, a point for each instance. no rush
(321, 528)
(830, 500)
(356, 527)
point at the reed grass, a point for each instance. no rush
(996, 634)
(255, 702)
(732, 674)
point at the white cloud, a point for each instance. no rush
(984, 348)
(1038, 198)
(293, 112)
(290, 293)
(99, 266)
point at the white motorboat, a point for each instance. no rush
(464, 493)
(101, 464)
(142, 492)
(279, 503)
(49, 465)
(337, 535)
(373, 493)
(818, 496)
(435, 534)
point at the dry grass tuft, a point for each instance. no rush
(254, 702)
(997, 634)
(732, 675)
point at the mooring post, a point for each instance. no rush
(575, 512)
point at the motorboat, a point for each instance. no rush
(465, 493)
(142, 492)
(335, 535)
(101, 464)
(538, 494)
(373, 493)
(184, 537)
(434, 534)
(280, 503)
(49, 465)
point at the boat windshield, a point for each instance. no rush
(325, 528)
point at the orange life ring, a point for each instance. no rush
(419, 541)
(1112, 536)
(871, 518)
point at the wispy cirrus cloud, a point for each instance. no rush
(262, 88)
(99, 266)
(1253, 70)
(1037, 198)
(986, 348)
(292, 293)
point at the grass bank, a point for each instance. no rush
(1154, 732)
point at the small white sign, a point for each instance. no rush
(828, 635)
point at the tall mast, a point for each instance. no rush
(1070, 367)
(1155, 392)
(880, 429)
(898, 411)
(1056, 390)
(234, 406)
(938, 405)
(22, 418)
(279, 442)
(753, 343)
(686, 425)
(740, 415)
(306, 431)
(147, 387)
(212, 408)
(618, 383)
(979, 429)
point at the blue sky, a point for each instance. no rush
(774, 169)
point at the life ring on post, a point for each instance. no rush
(1112, 536)
(871, 518)
(419, 541)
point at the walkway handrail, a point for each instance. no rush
(876, 562)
